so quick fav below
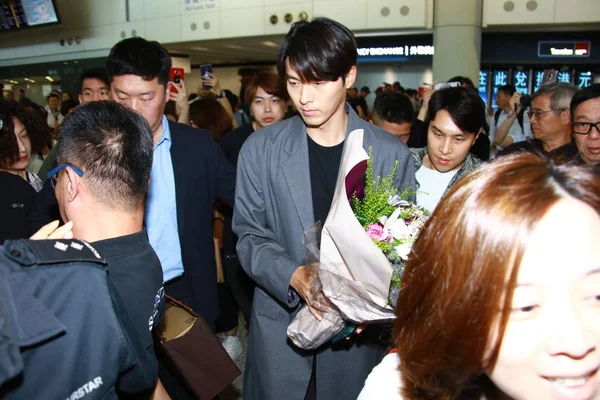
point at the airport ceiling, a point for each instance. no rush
(236, 51)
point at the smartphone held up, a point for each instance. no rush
(206, 72)
(176, 76)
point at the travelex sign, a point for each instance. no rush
(564, 49)
(396, 51)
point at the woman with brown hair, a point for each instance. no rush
(500, 297)
(209, 114)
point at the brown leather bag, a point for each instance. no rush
(193, 351)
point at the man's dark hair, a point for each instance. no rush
(52, 95)
(508, 90)
(94, 73)
(463, 80)
(393, 107)
(232, 98)
(67, 106)
(464, 106)
(321, 50)
(585, 94)
(140, 57)
(113, 147)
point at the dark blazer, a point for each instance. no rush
(202, 174)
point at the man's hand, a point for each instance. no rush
(53, 231)
(515, 102)
(180, 97)
(302, 281)
(213, 83)
(425, 103)
(181, 103)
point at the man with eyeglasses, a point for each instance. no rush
(105, 154)
(585, 115)
(550, 120)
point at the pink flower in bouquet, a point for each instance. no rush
(378, 232)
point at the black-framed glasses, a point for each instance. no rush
(52, 174)
(538, 113)
(583, 128)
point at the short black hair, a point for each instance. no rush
(94, 73)
(464, 105)
(140, 57)
(67, 106)
(113, 147)
(321, 50)
(589, 93)
(508, 90)
(52, 95)
(393, 107)
(463, 80)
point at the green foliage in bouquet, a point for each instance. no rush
(396, 280)
(377, 191)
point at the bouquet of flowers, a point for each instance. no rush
(360, 251)
(391, 221)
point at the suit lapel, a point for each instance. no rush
(296, 172)
(179, 173)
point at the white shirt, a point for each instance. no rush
(515, 132)
(52, 119)
(383, 383)
(432, 185)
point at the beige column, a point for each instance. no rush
(457, 39)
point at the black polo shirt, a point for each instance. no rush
(136, 272)
(16, 199)
(231, 144)
(64, 331)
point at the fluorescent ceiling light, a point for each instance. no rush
(50, 79)
(270, 43)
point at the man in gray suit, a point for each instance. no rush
(286, 179)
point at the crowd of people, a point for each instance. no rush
(110, 205)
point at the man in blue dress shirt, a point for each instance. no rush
(189, 172)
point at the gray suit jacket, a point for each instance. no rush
(273, 206)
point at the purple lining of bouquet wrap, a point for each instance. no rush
(355, 181)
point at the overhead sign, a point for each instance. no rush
(484, 77)
(521, 81)
(199, 5)
(499, 78)
(564, 49)
(584, 79)
(395, 51)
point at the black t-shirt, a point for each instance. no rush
(44, 209)
(231, 143)
(324, 164)
(16, 201)
(136, 273)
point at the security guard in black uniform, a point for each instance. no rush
(64, 332)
